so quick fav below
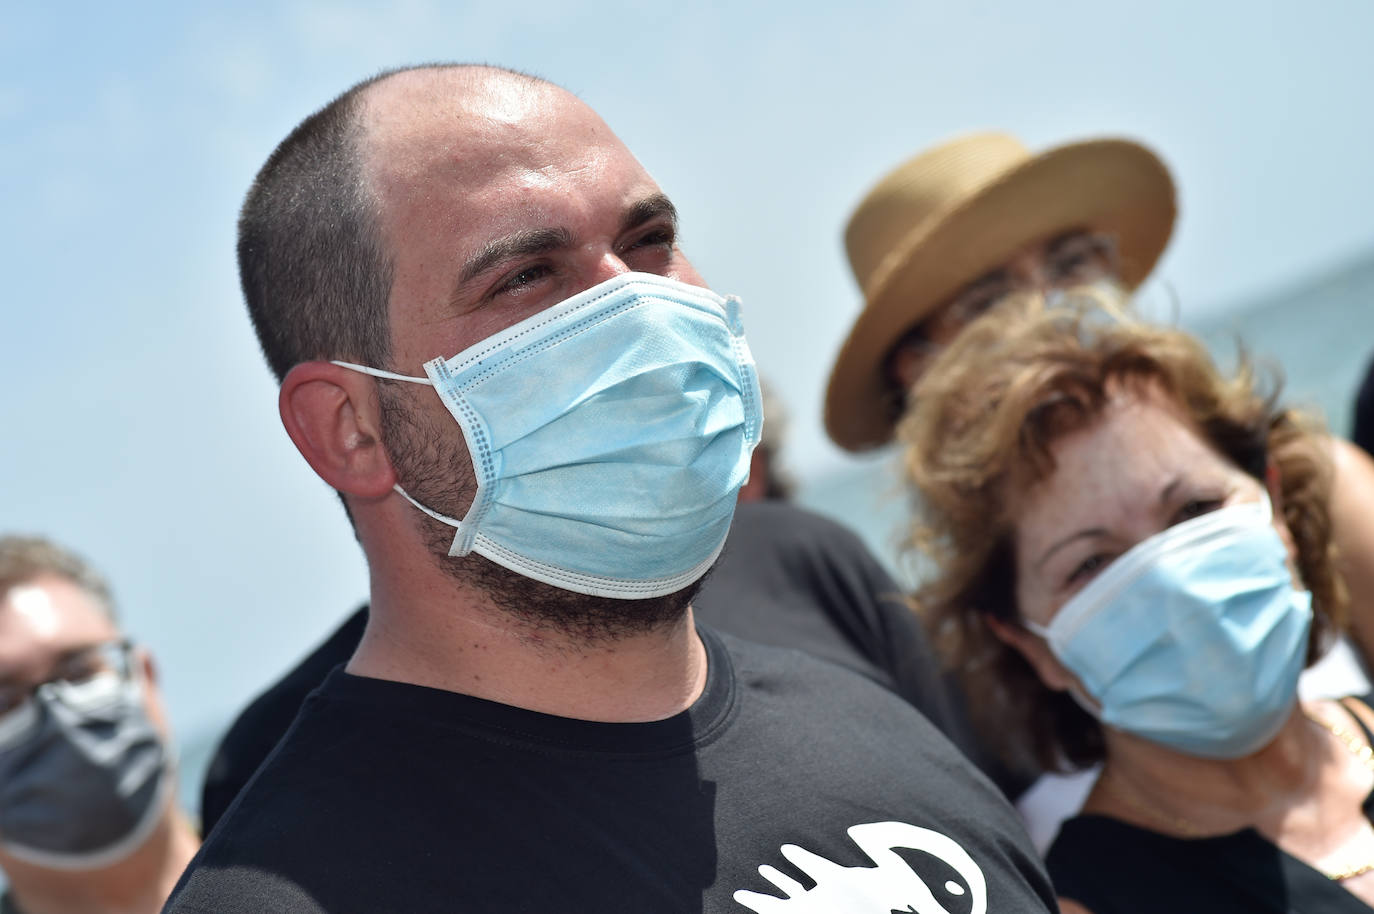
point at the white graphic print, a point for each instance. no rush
(890, 886)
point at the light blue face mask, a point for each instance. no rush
(609, 435)
(1194, 638)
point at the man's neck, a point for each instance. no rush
(459, 642)
(139, 884)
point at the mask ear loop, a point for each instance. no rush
(379, 373)
(462, 539)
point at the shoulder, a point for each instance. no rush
(204, 890)
(832, 766)
(1106, 865)
(273, 710)
(793, 675)
(787, 696)
(258, 728)
(764, 524)
(785, 562)
(1354, 474)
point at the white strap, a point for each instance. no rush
(379, 373)
(442, 518)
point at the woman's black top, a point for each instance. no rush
(1111, 867)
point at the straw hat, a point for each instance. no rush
(946, 217)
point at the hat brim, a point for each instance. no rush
(1111, 186)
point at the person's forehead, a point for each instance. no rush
(1138, 427)
(45, 617)
(460, 132)
(459, 166)
(1119, 461)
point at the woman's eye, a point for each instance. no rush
(1197, 507)
(1087, 568)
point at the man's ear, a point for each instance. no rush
(333, 416)
(146, 670)
(147, 667)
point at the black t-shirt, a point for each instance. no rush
(1113, 867)
(787, 577)
(258, 727)
(791, 578)
(790, 786)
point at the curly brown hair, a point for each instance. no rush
(979, 430)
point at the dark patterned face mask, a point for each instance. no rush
(83, 771)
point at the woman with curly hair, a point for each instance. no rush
(1132, 563)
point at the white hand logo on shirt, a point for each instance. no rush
(890, 886)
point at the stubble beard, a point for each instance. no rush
(433, 466)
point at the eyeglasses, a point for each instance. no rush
(1072, 259)
(79, 679)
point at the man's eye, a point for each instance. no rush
(82, 670)
(662, 237)
(524, 278)
(654, 246)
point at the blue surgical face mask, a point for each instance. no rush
(1193, 639)
(609, 435)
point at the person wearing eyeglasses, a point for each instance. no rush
(969, 223)
(88, 815)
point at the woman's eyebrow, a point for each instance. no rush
(1081, 534)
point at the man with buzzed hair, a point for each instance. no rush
(532, 720)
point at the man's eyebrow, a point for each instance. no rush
(656, 206)
(520, 244)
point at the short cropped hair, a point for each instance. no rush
(979, 432)
(24, 559)
(313, 264)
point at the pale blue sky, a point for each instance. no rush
(142, 423)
